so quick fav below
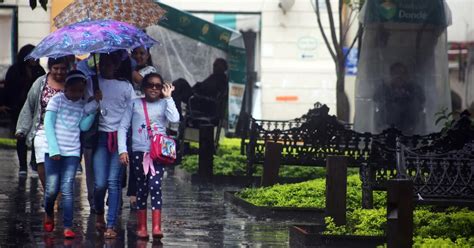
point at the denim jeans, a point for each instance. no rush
(108, 177)
(87, 152)
(60, 175)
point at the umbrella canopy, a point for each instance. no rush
(140, 13)
(100, 36)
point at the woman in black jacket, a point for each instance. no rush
(19, 78)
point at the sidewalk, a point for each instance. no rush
(194, 216)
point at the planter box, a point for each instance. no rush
(313, 215)
(310, 236)
(242, 181)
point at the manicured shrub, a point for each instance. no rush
(453, 227)
(7, 143)
(307, 194)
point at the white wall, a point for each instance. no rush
(33, 25)
(462, 28)
(294, 58)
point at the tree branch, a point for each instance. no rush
(339, 11)
(321, 28)
(336, 43)
(346, 30)
(347, 20)
(359, 31)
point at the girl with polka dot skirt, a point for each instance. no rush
(162, 110)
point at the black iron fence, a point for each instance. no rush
(440, 163)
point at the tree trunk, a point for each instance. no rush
(342, 101)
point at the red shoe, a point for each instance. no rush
(141, 224)
(48, 223)
(69, 234)
(156, 223)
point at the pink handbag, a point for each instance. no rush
(162, 147)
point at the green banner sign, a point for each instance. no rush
(196, 28)
(237, 65)
(406, 11)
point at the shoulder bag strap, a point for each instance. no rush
(147, 119)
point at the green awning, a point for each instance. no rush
(430, 12)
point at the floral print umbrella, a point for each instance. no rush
(100, 36)
(140, 13)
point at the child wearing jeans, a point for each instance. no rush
(148, 175)
(64, 120)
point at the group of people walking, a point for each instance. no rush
(60, 105)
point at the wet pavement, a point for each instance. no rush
(193, 216)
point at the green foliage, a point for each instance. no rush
(228, 161)
(307, 194)
(445, 117)
(420, 242)
(333, 229)
(449, 224)
(7, 143)
(363, 222)
(190, 163)
(368, 222)
(228, 164)
(451, 228)
(448, 119)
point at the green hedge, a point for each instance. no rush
(229, 162)
(453, 227)
(307, 194)
(7, 143)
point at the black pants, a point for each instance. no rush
(21, 148)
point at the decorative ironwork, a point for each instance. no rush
(308, 140)
(383, 158)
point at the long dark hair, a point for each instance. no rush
(20, 58)
(149, 62)
(145, 83)
(24, 51)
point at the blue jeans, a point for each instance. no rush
(60, 175)
(108, 176)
